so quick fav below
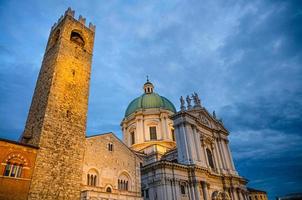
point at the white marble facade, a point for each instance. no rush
(194, 163)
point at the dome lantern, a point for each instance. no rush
(148, 87)
(149, 100)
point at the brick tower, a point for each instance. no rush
(57, 117)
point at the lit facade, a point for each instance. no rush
(197, 164)
(165, 154)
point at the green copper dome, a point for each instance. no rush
(149, 100)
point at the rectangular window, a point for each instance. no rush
(147, 193)
(182, 189)
(110, 147)
(153, 135)
(19, 171)
(132, 138)
(7, 169)
(173, 135)
(14, 170)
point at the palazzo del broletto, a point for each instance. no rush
(165, 153)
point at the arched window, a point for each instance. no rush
(182, 189)
(132, 135)
(210, 158)
(123, 182)
(77, 38)
(92, 177)
(14, 165)
(108, 189)
(13, 170)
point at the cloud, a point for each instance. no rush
(243, 58)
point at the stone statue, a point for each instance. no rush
(188, 99)
(196, 100)
(214, 114)
(182, 104)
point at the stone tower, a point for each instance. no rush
(57, 117)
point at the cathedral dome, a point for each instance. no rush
(149, 99)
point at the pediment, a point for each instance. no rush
(202, 116)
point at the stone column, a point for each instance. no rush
(204, 190)
(225, 151)
(163, 128)
(206, 164)
(168, 131)
(190, 190)
(244, 195)
(124, 136)
(230, 155)
(177, 190)
(215, 158)
(140, 132)
(191, 143)
(232, 191)
(222, 154)
(238, 194)
(169, 190)
(187, 145)
(196, 190)
(197, 143)
(218, 156)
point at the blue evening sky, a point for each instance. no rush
(243, 58)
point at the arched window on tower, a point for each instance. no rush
(77, 38)
(210, 158)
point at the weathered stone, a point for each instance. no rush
(58, 113)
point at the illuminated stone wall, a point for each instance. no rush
(109, 166)
(57, 118)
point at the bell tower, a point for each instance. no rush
(57, 117)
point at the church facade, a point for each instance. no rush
(186, 154)
(165, 154)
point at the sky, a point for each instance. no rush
(243, 58)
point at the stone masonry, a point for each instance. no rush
(57, 118)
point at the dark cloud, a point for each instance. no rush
(242, 57)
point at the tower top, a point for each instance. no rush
(69, 12)
(148, 87)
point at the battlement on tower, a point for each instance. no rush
(81, 19)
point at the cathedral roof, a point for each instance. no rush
(149, 99)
